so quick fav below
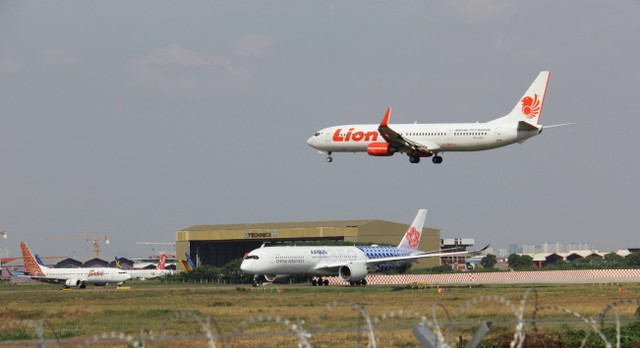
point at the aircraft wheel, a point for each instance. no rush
(437, 159)
(83, 285)
(364, 282)
(314, 282)
(329, 158)
(414, 159)
(326, 282)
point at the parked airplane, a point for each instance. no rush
(79, 277)
(14, 276)
(350, 263)
(425, 140)
(144, 274)
(39, 261)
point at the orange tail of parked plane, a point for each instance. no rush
(163, 260)
(31, 266)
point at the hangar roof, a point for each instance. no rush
(272, 225)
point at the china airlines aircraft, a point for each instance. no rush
(144, 274)
(426, 140)
(350, 263)
(79, 277)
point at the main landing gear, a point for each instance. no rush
(362, 282)
(320, 282)
(415, 159)
(256, 281)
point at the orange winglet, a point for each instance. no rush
(385, 120)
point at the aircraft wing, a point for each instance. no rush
(559, 125)
(45, 279)
(398, 141)
(373, 262)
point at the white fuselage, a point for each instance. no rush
(147, 273)
(306, 260)
(448, 136)
(98, 276)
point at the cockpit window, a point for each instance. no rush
(251, 257)
(315, 135)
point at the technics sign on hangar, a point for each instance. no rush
(216, 245)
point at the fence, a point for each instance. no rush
(435, 329)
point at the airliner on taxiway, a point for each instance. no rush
(425, 140)
(350, 263)
(79, 277)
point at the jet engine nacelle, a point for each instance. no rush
(380, 149)
(72, 282)
(275, 277)
(353, 272)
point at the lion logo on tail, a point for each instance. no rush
(531, 106)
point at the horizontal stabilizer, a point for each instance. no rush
(526, 127)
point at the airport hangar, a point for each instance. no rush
(217, 245)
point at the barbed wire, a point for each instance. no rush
(441, 322)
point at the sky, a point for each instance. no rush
(136, 119)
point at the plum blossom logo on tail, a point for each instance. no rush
(531, 106)
(413, 237)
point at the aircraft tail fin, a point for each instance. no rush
(39, 261)
(529, 106)
(31, 266)
(411, 239)
(162, 261)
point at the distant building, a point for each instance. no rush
(456, 244)
(217, 245)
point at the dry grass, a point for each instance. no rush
(152, 307)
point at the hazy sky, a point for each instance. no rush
(137, 119)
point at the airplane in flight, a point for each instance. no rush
(350, 263)
(419, 140)
(144, 274)
(76, 277)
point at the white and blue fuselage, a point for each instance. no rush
(319, 260)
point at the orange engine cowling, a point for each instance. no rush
(380, 149)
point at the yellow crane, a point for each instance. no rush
(95, 241)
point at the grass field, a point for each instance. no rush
(150, 309)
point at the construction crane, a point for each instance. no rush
(95, 241)
(156, 243)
